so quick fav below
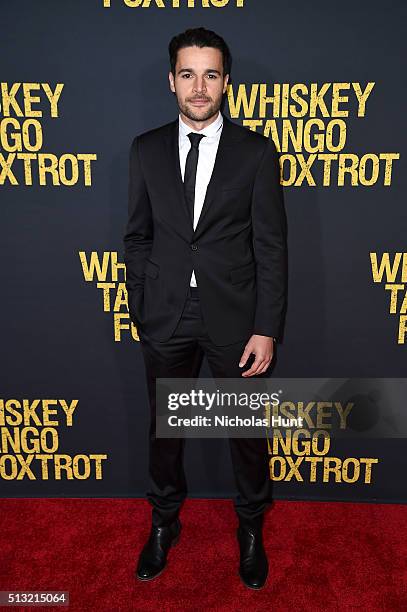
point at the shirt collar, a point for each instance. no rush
(209, 130)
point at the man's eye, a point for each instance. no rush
(212, 76)
(186, 74)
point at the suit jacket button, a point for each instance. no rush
(194, 247)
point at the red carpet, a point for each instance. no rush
(323, 556)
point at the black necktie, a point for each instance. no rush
(190, 170)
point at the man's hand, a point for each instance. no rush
(262, 347)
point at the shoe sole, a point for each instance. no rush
(173, 543)
(250, 586)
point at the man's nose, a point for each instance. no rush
(200, 84)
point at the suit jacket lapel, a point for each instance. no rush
(220, 171)
(175, 168)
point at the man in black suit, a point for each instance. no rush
(206, 262)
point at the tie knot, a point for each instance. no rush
(195, 139)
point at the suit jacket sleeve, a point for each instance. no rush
(269, 226)
(138, 236)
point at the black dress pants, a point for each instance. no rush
(181, 357)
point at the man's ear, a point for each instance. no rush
(225, 83)
(171, 80)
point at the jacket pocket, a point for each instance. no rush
(235, 187)
(243, 272)
(152, 269)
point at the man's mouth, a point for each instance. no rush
(199, 101)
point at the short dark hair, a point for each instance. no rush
(199, 37)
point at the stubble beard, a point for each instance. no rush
(193, 115)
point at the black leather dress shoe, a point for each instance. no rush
(253, 568)
(153, 557)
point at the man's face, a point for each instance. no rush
(199, 83)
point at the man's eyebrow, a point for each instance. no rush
(206, 71)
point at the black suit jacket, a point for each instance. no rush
(238, 249)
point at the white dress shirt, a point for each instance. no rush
(208, 148)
